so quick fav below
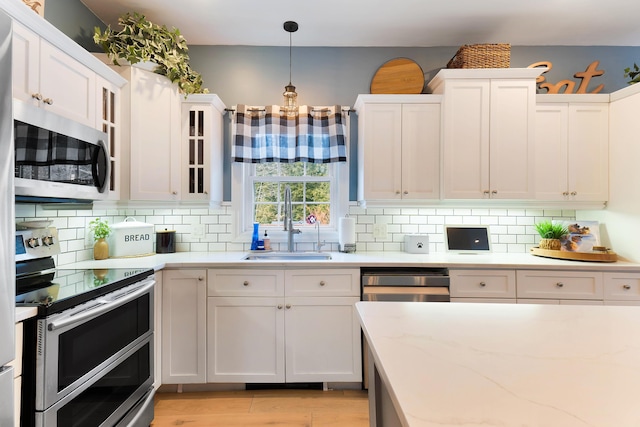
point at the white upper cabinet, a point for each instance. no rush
(151, 128)
(202, 148)
(398, 147)
(488, 117)
(571, 145)
(47, 77)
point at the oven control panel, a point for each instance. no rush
(37, 243)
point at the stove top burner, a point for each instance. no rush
(55, 290)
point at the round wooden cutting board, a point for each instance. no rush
(400, 75)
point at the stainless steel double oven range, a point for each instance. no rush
(88, 355)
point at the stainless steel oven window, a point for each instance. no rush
(76, 344)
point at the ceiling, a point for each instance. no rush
(415, 23)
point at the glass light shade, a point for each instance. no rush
(290, 100)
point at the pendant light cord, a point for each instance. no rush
(289, 59)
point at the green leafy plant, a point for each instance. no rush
(550, 230)
(100, 228)
(141, 40)
(633, 75)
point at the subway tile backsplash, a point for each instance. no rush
(511, 229)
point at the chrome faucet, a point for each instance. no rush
(288, 219)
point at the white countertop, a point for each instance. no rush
(507, 364)
(358, 259)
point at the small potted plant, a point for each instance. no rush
(101, 230)
(551, 233)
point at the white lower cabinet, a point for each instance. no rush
(622, 288)
(258, 332)
(184, 322)
(322, 340)
(559, 285)
(17, 374)
(484, 285)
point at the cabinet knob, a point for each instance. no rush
(322, 283)
(573, 193)
(559, 284)
(279, 306)
(200, 279)
(483, 284)
(48, 101)
(397, 191)
(494, 192)
(246, 283)
(626, 287)
(405, 193)
(36, 96)
(485, 192)
(565, 193)
(206, 192)
(288, 306)
(175, 193)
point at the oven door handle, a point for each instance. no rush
(101, 308)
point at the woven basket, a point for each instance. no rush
(482, 56)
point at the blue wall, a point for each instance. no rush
(327, 76)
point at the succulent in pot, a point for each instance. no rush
(551, 234)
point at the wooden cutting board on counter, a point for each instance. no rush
(608, 256)
(398, 76)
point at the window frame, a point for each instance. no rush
(242, 202)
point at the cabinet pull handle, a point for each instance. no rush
(627, 287)
(565, 193)
(279, 306)
(483, 284)
(573, 193)
(48, 101)
(36, 96)
(246, 283)
(288, 306)
(559, 284)
(322, 283)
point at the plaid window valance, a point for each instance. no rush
(262, 135)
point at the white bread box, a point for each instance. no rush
(131, 238)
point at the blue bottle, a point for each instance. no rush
(255, 237)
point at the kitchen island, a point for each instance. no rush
(502, 364)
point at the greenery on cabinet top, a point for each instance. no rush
(140, 40)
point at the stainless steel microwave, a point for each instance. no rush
(57, 159)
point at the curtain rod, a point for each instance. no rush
(313, 110)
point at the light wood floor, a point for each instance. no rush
(273, 408)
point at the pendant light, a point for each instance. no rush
(290, 96)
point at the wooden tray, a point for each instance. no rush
(400, 75)
(608, 256)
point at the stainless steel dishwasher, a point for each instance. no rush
(428, 284)
(405, 284)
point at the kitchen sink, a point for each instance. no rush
(288, 256)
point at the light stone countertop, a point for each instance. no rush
(358, 259)
(507, 365)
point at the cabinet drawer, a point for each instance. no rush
(483, 283)
(330, 283)
(559, 285)
(245, 282)
(622, 286)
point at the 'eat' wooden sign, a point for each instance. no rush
(569, 85)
